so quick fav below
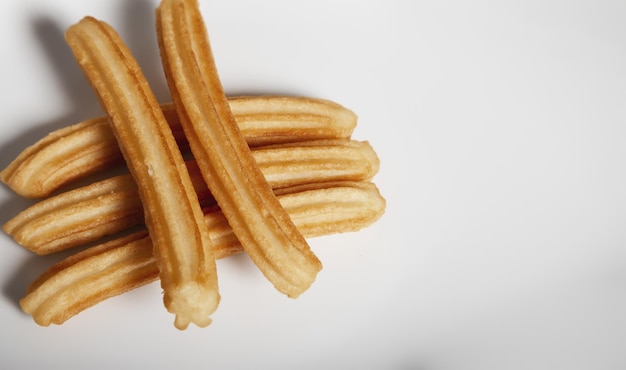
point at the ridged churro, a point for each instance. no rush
(91, 276)
(110, 269)
(78, 216)
(173, 216)
(265, 230)
(86, 214)
(76, 151)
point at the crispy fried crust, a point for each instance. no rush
(110, 269)
(172, 213)
(77, 217)
(85, 214)
(264, 228)
(74, 152)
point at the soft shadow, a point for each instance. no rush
(12, 206)
(264, 92)
(26, 272)
(139, 33)
(72, 84)
(411, 365)
(241, 264)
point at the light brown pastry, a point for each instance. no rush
(88, 147)
(98, 273)
(86, 214)
(263, 227)
(172, 213)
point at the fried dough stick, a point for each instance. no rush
(173, 215)
(84, 215)
(76, 151)
(104, 271)
(264, 228)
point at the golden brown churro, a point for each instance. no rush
(88, 147)
(316, 161)
(173, 216)
(268, 120)
(61, 157)
(79, 216)
(110, 269)
(85, 214)
(264, 228)
(88, 277)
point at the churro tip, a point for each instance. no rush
(192, 303)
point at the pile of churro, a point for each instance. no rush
(208, 176)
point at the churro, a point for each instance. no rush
(182, 245)
(88, 147)
(86, 214)
(110, 269)
(316, 161)
(265, 230)
(78, 217)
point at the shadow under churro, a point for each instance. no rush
(71, 84)
(26, 272)
(139, 33)
(76, 89)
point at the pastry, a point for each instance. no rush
(172, 213)
(263, 227)
(100, 272)
(84, 215)
(89, 147)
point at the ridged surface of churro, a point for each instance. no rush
(267, 120)
(88, 147)
(85, 214)
(173, 216)
(264, 228)
(77, 217)
(316, 161)
(61, 157)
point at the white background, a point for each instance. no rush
(501, 129)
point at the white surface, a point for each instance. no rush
(501, 129)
